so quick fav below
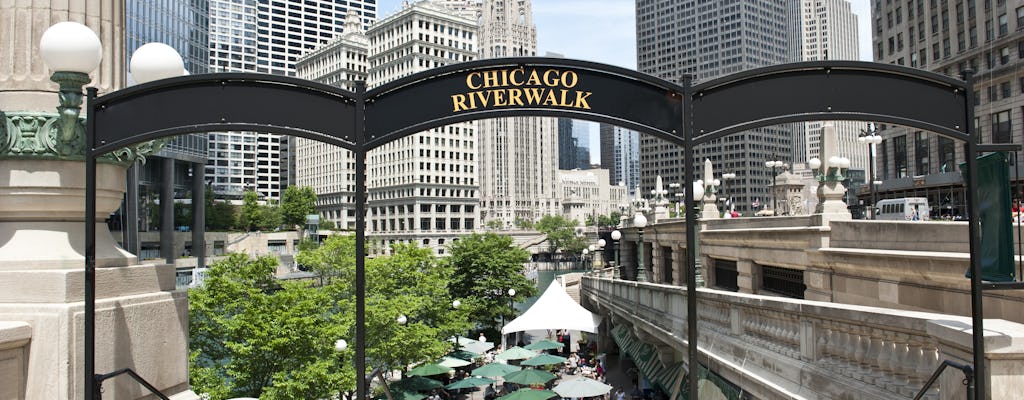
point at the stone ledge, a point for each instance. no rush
(14, 334)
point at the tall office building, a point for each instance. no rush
(423, 188)
(573, 144)
(706, 40)
(620, 150)
(183, 25)
(518, 156)
(949, 37)
(830, 33)
(266, 37)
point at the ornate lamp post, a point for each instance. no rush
(726, 177)
(871, 139)
(583, 255)
(640, 221)
(600, 252)
(511, 306)
(616, 235)
(773, 164)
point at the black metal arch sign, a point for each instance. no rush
(362, 120)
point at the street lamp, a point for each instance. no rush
(616, 235)
(511, 306)
(773, 164)
(640, 221)
(726, 177)
(600, 252)
(583, 256)
(871, 139)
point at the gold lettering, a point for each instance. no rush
(514, 96)
(534, 79)
(533, 95)
(485, 98)
(548, 81)
(512, 77)
(459, 102)
(566, 77)
(499, 98)
(472, 100)
(551, 100)
(490, 79)
(469, 80)
(563, 103)
(581, 99)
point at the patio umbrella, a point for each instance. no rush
(417, 383)
(494, 369)
(404, 395)
(470, 382)
(529, 394)
(529, 376)
(544, 359)
(543, 345)
(464, 355)
(582, 387)
(429, 369)
(452, 362)
(515, 353)
(477, 346)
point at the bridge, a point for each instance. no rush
(806, 308)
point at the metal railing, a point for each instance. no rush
(968, 378)
(102, 377)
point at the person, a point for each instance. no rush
(482, 338)
(620, 394)
(735, 214)
(915, 216)
(489, 393)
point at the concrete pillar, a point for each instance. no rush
(819, 285)
(167, 211)
(749, 276)
(199, 214)
(130, 230)
(679, 268)
(1003, 357)
(657, 268)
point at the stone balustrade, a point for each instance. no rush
(777, 347)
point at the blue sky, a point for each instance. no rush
(605, 31)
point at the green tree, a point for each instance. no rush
(220, 215)
(561, 233)
(296, 204)
(484, 267)
(251, 336)
(182, 215)
(334, 258)
(609, 220)
(523, 223)
(494, 224)
(254, 216)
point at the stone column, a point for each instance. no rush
(749, 276)
(142, 321)
(657, 269)
(1004, 357)
(679, 267)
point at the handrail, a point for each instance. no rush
(968, 378)
(102, 377)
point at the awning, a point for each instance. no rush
(644, 355)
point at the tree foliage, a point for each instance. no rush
(254, 216)
(296, 204)
(561, 233)
(484, 267)
(220, 214)
(253, 336)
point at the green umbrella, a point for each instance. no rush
(452, 362)
(544, 359)
(429, 369)
(470, 382)
(403, 395)
(463, 355)
(544, 345)
(515, 353)
(529, 394)
(417, 383)
(582, 387)
(529, 376)
(494, 369)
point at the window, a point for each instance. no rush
(899, 152)
(726, 275)
(785, 281)
(1004, 55)
(921, 152)
(946, 155)
(1020, 18)
(1001, 127)
(1006, 90)
(1003, 25)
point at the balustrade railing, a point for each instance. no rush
(888, 352)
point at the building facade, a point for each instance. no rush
(587, 194)
(706, 40)
(266, 37)
(620, 149)
(950, 37)
(519, 157)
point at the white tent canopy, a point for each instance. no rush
(554, 310)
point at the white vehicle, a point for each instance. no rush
(904, 209)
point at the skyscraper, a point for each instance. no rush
(423, 188)
(706, 40)
(266, 37)
(620, 148)
(518, 156)
(986, 37)
(183, 25)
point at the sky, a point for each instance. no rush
(605, 31)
